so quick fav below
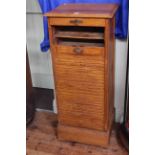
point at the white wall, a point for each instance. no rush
(120, 76)
(41, 66)
(40, 63)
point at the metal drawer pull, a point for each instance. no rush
(78, 50)
(76, 21)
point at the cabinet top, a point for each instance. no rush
(84, 10)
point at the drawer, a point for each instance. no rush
(77, 22)
(79, 50)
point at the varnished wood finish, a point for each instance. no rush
(84, 35)
(82, 96)
(84, 10)
(82, 21)
(84, 71)
(41, 140)
(85, 135)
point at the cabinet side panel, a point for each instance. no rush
(52, 52)
(111, 67)
(109, 72)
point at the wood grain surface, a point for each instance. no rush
(83, 70)
(41, 140)
(84, 10)
(77, 21)
(80, 86)
(84, 35)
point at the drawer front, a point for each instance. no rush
(80, 86)
(81, 52)
(77, 22)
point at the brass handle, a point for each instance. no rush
(76, 21)
(78, 50)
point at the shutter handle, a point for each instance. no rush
(78, 50)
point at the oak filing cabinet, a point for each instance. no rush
(82, 45)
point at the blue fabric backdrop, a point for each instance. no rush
(121, 16)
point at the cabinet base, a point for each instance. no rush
(82, 135)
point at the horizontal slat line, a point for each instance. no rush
(67, 104)
(83, 121)
(80, 58)
(73, 119)
(80, 93)
(70, 105)
(88, 85)
(83, 69)
(92, 114)
(100, 90)
(89, 115)
(74, 106)
(86, 114)
(76, 112)
(72, 85)
(99, 104)
(83, 81)
(76, 115)
(72, 55)
(62, 82)
(77, 74)
(67, 43)
(85, 97)
(80, 79)
(81, 64)
(76, 77)
(99, 111)
(79, 34)
(75, 89)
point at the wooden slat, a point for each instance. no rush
(76, 43)
(80, 35)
